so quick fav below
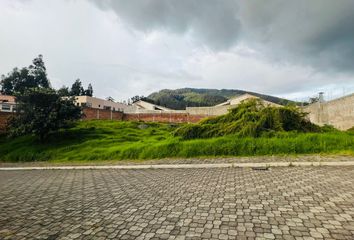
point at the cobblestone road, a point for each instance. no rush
(224, 203)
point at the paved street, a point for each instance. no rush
(218, 203)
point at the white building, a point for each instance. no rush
(237, 100)
(7, 103)
(223, 108)
(143, 105)
(98, 103)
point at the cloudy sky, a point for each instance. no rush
(291, 49)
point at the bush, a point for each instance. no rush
(351, 130)
(250, 119)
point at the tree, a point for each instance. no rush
(41, 111)
(33, 76)
(7, 83)
(314, 100)
(89, 90)
(39, 73)
(63, 91)
(77, 89)
(137, 98)
(111, 99)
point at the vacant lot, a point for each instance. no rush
(224, 203)
(113, 140)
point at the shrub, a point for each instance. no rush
(351, 130)
(250, 118)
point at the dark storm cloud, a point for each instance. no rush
(213, 22)
(319, 33)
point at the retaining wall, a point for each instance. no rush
(338, 112)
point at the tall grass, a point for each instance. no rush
(112, 140)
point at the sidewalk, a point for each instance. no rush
(265, 165)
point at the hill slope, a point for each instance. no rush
(99, 140)
(195, 97)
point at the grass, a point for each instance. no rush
(113, 140)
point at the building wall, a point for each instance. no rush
(7, 107)
(149, 106)
(224, 107)
(134, 110)
(238, 100)
(163, 117)
(99, 103)
(209, 111)
(4, 116)
(92, 113)
(338, 112)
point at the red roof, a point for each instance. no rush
(7, 98)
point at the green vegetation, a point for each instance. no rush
(40, 109)
(76, 90)
(20, 80)
(251, 119)
(199, 97)
(113, 140)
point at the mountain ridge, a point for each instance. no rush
(203, 97)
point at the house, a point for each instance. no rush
(143, 105)
(7, 103)
(224, 107)
(237, 100)
(98, 103)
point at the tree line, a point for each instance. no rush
(40, 108)
(35, 76)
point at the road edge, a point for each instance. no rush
(185, 166)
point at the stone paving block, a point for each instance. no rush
(217, 203)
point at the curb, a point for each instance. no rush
(186, 166)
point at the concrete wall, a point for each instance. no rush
(338, 112)
(224, 107)
(208, 111)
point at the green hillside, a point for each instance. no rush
(114, 140)
(200, 97)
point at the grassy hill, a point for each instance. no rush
(194, 97)
(113, 140)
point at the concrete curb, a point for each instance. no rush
(184, 166)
